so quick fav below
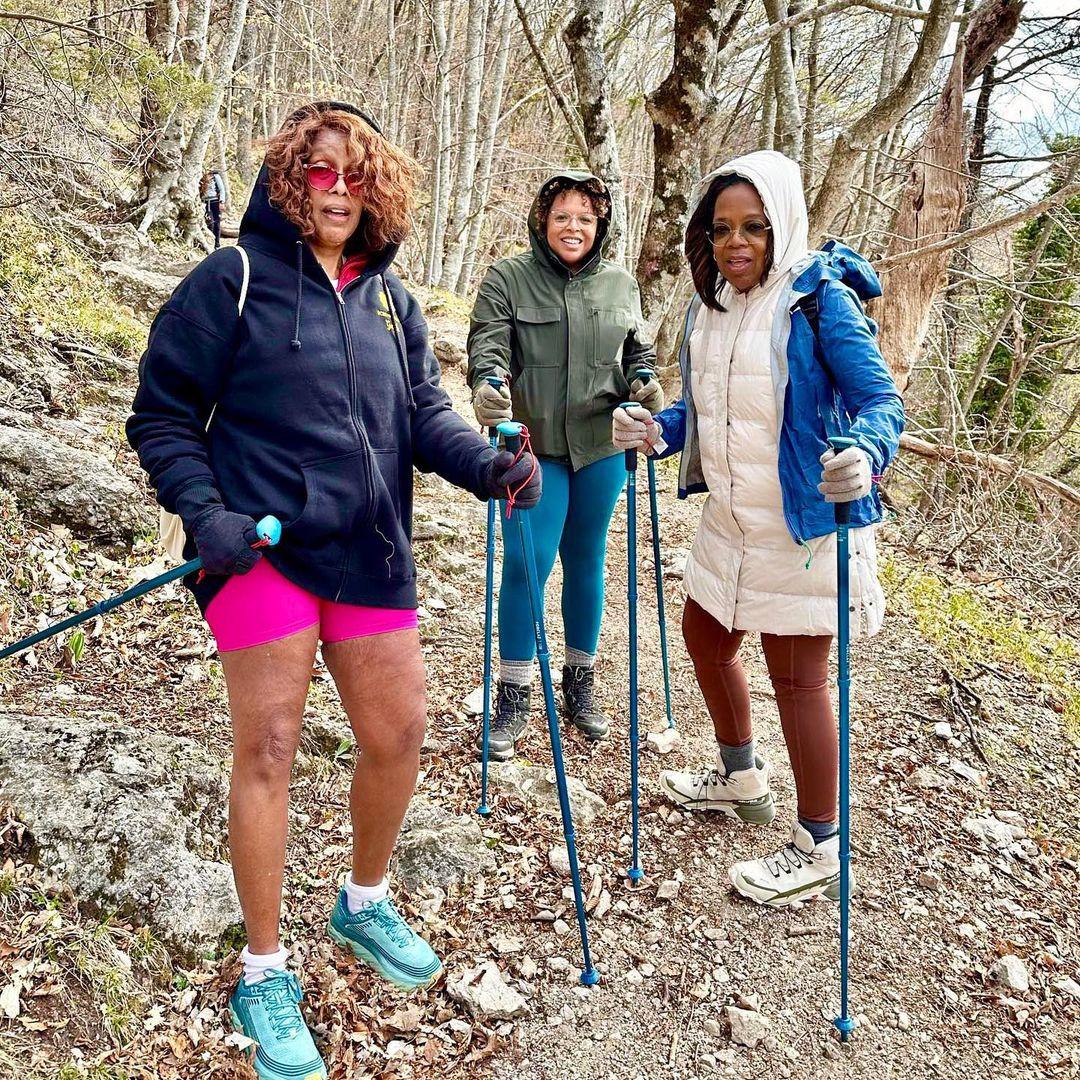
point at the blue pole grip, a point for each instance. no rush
(269, 529)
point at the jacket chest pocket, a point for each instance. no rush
(608, 328)
(540, 341)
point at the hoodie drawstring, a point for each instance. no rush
(398, 334)
(295, 343)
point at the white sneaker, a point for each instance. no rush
(798, 871)
(744, 795)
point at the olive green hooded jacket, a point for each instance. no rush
(569, 341)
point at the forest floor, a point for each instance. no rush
(966, 827)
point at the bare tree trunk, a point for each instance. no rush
(810, 112)
(767, 134)
(933, 201)
(271, 104)
(569, 115)
(393, 105)
(493, 113)
(679, 107)
(440, 193)
(244, 81)
(176, 196)
(850, 144)
(787, 137)
(457, 231)
(584, 39)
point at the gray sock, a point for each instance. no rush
(737, 758)
(516, 672)
(819, 830)
(577, 658)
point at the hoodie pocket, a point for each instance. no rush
(336, 495)
(385, 547)
(538, 338)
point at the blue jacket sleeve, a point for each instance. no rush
(672, 423)
(442, 441)
(181, 375)
(850, 353)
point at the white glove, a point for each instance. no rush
(650, 394)
(846, 476)
(635, 429)
(491, 403)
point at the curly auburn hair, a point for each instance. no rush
(389, 174)
(593, 190)
(699, 249)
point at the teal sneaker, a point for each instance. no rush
(379, 936)
(268, 1012)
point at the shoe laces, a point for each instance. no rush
(581, 687)
(397, 929)
(280, 995)
(713, 777)
(787, 860)
(511, 702)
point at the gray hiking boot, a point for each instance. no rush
(508, 720)
(579, 705)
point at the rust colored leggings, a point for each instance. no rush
(799, 669)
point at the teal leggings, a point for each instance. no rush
(571, 520)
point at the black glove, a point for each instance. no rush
(503, 472)
(224, 540)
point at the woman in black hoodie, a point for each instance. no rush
(292, 376)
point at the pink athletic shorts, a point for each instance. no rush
(263, 605)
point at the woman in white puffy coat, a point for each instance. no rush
(777, 356)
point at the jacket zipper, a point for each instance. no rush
(369, 515)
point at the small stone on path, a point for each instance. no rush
(485, 993)
(663, 742)
(1011, 972)
(667, 890)
(748, 1028)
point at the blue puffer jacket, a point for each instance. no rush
(835, 383)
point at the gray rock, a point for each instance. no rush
(144, 291)
(449, 353)
(1068, 986)
(485, 993)
(133, 821)
(325, 734)
(991, 831)
(535, 787)
(473, 705)
(559, 860)
(69, 486)
(439, 848)
(748, 1028)
(1011, 972)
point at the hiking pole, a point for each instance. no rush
(269, 529)
(843, 1023)
(634, 872)
(513, 434)
(483, 809)
(644, 374)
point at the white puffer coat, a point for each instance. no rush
(745, 569)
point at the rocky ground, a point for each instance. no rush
(113, 756)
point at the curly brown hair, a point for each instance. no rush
(592, 189)
(389, 174)
(699, 249)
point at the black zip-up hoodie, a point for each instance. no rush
(322, 404)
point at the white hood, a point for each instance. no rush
(779, 183)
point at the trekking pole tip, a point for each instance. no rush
(845, 1025)
(590, 977)
(483, 810)
(269, 528)
(635, 873)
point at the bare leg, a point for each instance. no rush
(268, 686)
(381, 682)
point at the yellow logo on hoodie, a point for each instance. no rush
(384, 311)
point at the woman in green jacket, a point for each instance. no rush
(561, 329)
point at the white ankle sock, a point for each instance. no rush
(516, 672)
(577, 658)
(359, 895)
(256, 965)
